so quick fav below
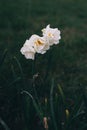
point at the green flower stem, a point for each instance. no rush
(33, 84)
(48, 64)
(51, 105)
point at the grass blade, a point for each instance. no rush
(3, 57)
(35, 104)
(14, 81)
(21, 71)
(62, 94)
(4, 124)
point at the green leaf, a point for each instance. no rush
(3, 57)
(4, 124)
(40, 113)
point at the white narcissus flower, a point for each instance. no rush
(52, 35)
(28, 50)
(35, 44)
(39, 44)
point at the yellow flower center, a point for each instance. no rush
(39, 42)
(50, 34)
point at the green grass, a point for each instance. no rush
(66, 62)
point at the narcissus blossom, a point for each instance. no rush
(36, 44)
(52, 35)
(39, 44)
(27, 50)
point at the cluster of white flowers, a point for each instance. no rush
(37, 44)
